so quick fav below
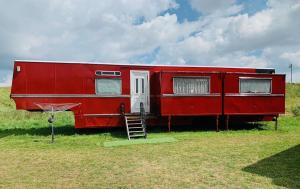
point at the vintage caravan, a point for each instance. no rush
(116, 95)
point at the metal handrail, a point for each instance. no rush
(122, 112)
(122, 109)
(142, 115)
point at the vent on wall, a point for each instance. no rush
(107, 73)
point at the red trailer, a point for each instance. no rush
(108, 93)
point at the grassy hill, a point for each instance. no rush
(293, 99)
(258, 157)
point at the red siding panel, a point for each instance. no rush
(57, 82)
(254, 104)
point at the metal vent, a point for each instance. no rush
(107, 73)
(265, 71)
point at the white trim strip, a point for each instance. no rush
(100, 115)
(125, 64)
(269, 78)
(254, 94)
(128, 96)
(67, 96)
(183, 95)
(111, 115)
(254, 114)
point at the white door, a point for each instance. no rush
(139, 90)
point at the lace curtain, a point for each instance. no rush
(108, 86)
(255, 85)
(191, 85)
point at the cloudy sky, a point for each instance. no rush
(252, 33)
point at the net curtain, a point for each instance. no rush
(191, 85)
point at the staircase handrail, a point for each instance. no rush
(142, 115)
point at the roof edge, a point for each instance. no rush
(128, 64)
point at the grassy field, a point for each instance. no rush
(248, 158)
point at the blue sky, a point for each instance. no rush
(184, 12)
(243, 33)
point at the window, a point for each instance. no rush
(143, 86)
(255, 85)
(108, 86)
(107, 73)
(136, 85)
(191, 85)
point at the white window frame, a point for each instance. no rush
(255, 78)
(193, 77)
(111, 94)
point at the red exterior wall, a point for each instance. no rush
(39, 82)
(190, 105)
(257, 104)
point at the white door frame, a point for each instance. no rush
(147, 89)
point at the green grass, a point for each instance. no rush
(292, 97)
(249, 158)
(138, 141)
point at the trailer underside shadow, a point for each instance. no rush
(120, 132)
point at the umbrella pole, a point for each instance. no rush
(51, 121)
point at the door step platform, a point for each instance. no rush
(135, 127)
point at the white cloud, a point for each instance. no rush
(240, 60)
(189, 51)
(79, 30)
(231, 40)
(293, 57)
(5, 81)
(120, 31)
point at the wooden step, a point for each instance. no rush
(135, 127)
(137, 135)
(134, 124)
(132, 117)
(136, 131)
(133, 121)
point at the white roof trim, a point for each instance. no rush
(127, 64)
